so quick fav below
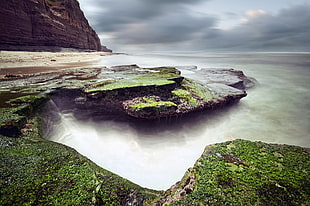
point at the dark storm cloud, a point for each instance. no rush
(288, 30)
(169, 28)
(112, 15)
(146, 21)
(169, 24)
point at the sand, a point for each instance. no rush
(21, 63)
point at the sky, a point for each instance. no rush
(201, 25)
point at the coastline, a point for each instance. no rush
(29, 63)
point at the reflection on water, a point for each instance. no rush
(157, 154)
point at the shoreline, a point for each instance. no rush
(30, 63)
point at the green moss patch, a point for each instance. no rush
(248, 173)
(146, 77)
(185, 97)
(14, 118)
(11, 121)
(150, 107)
(125, 84)
(198, 91)
(39, 172)
(191, 95)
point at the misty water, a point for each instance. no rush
(157, 154)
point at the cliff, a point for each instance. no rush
(45, 25)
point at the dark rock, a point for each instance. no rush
(150, 107)
(131, 90)
(45, 25)
(229, 77)
(222, 91)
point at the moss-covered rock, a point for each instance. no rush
(129, 77)
(11, 122)
(39, 172)
(241, 172)
(111, 88)
(149, 107)
(14, 118)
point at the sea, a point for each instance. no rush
(156, 155)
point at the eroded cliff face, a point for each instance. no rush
(45, 25)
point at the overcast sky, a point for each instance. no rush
(195, 25)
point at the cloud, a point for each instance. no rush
(169, 28)
(171, 24)
(145, 22)
(112, 15)
(286, 30)
(251, 14)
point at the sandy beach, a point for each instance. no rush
(26, 63)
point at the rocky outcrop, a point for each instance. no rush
(143, 93)
(45, 25)
(241, 172)
(229, 77)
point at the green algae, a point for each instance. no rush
(185, 97)
(152, 102)
(159, 77)
(197, 90)
(124, 84)
(14, 118)
(11, 121)
(43, 172)
(34, 100)
(191, 95)
(261, 174)
(7, 96)
(149, 107)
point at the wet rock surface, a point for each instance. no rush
(229, 77)
(129, 90)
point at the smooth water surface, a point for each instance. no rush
(157, 155)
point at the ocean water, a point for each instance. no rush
(276, 110)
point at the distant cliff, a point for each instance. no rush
(45, 25)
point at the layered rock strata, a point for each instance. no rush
(45, 25)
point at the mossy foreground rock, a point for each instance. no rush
(34, 171)
(241, 172)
